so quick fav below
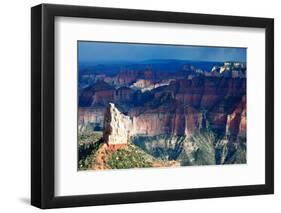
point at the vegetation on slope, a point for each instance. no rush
(130, 157)
(93, 154)
(161, 151)
(89, 143)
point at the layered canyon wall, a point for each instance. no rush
(181, 108)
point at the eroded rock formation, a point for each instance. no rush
(236, 121)
(117, 126)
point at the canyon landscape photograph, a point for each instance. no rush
(160, 105)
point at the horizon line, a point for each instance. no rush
(157, 59)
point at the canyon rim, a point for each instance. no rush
(156, 105)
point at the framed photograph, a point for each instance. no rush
(139, 106)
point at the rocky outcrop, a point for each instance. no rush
(236, 121)
(117, 127)
(148, 85)
(143, 85)
(228, 117)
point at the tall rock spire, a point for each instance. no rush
(117, 126)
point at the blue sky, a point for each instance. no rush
(109, 51)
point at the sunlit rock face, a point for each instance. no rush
(143, 85)
(117, 126)
(173, 120)
(236, 121)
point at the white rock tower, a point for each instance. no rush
(117, 126)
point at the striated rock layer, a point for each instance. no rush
(171, 120)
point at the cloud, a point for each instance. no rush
(110, 51)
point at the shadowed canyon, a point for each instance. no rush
(163, 113)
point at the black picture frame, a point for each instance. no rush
(43, 102)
